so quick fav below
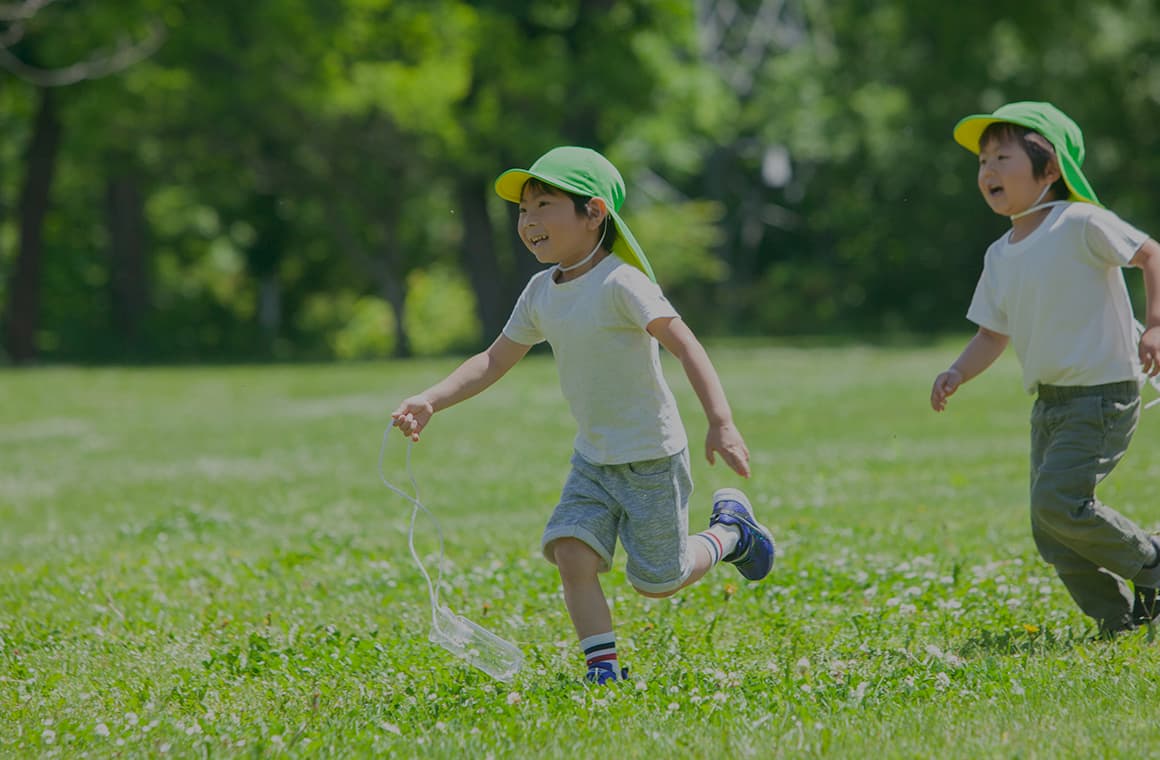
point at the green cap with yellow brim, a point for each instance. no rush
(1059, 130)
(584, 172)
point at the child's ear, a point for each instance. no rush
(597, 210)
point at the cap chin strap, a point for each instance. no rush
(1036, 206)
(587, 258)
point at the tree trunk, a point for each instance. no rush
(264, 260)
(128, 260)
(22, 320)
(395, 293)
(479, 258)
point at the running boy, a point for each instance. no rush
(1053, 286)
(602, 313)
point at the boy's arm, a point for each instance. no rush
(466, 380)
(723, 436)
(1147, 258)
(980, 353)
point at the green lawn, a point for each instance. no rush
(203, 562)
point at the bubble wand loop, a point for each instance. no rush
(493, 655)
(417, 505)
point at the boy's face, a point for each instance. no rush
(552, 229)
(1006, 178)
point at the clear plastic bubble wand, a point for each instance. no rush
(468, 641)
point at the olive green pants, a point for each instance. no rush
(1078, 435)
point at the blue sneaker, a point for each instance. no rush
(754, 554)
(602, 674)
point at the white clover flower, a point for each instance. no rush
(101, 730)
(514, 698)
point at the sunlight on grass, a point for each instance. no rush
(203, 562)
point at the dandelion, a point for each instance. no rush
(1031, 628)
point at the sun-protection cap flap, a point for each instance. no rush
(584, 172)
(1064, 135)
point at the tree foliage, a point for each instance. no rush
(308, 179)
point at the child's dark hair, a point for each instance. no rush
(1039, 155)
(581, 204)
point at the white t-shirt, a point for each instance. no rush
(609, 365)
(1060, 295)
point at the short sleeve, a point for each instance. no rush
(521, 326)
(1111, 240)
(986, 309)
(638, 299)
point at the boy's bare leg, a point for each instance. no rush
(703, 562)
(579, 565)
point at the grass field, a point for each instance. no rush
(203, 563)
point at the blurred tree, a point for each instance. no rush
(35, 39)
(276, 169)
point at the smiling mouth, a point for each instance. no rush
(995, 190)
(537, 239)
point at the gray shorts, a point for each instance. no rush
(645, 503)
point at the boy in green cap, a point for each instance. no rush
(1053, 286)
(603, 314)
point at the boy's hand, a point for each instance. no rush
(944, 386)
(1150, 351)
(726, 440)
(412, 416)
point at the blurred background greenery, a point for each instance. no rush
(311, 179)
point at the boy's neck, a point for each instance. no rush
(562, 275)
(1025, 225)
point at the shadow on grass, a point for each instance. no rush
(1020, 641)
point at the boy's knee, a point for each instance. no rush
(655, 594)
(573, 556)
